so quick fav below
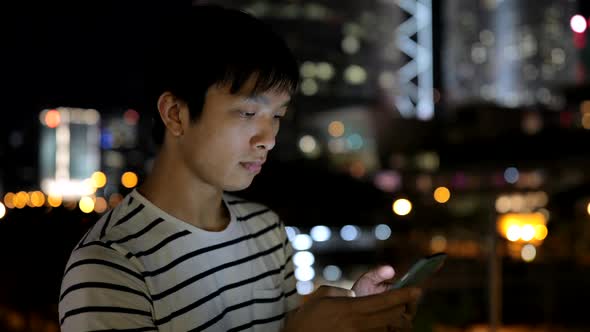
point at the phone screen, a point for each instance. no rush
(421, 270)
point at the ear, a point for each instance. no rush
(170, 111)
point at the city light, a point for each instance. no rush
(21, 199)
(52, 118)
(129, 179)
(304, 287)
(541, 232)
(438, 243)
(528, 253)
(511, 175)
(588, 208)
(9, 199)
(307, 144)
(442, 194)
(320, 233)
(115, 199)
(302, 242)
(303, 258)
(525, 227)
(37, 199)
(332, 273)
(304, 273)
(527, 232)
(100, 205)
(86, 204)
(578, 23)
(2, 210)
(99, 179)
(513, 233)
(402, 207)
(309, 87)
(325, 71)
(355, 74)
(382, 232)
(54, 200)
(336, 129)
(349, 233)
(131, 117)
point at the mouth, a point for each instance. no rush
(253, 167)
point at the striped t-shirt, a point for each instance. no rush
(141, 269)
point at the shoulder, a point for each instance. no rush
(100, 260)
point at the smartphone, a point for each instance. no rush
(420, 271)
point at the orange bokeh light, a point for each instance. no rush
(52, 118)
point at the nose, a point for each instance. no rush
(265, 136)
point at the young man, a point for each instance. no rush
(180, 253)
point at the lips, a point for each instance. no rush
(253, 166)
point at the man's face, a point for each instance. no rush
(228, 144)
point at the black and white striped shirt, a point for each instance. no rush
(141, 269)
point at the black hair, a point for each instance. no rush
(203, 45)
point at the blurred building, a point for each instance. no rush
(69, 151)
(513, 53)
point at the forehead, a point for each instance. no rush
(248, 95)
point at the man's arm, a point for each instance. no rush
(102, 290)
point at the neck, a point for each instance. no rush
(172, 188)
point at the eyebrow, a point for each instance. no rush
(264, 100)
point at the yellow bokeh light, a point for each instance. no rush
(129, 179)
(54, 200)
(21, 199)
(442, 194)
(438, 243)
(520, 226)
(541, 232)
(2, 210)
(402, 207)
(99, 179)
(527, 232)
(100, 205)
(586, 121)
(336, 129)
(587, 208)
(86, 204)
(513, 233)
(9, 199)
(30, 199)
(37, 199)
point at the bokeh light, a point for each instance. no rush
(402, 207)
(129, 179)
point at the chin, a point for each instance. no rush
(237, 186)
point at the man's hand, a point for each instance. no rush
(374, 281)
(334, 309)
(377, 281)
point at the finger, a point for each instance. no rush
(331, 291)
(387, 300)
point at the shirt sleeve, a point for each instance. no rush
(103, 290)
(292, 297)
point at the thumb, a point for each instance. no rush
(380, 274)
(332, 291)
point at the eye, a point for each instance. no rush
(246, 114)
(278, 117)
